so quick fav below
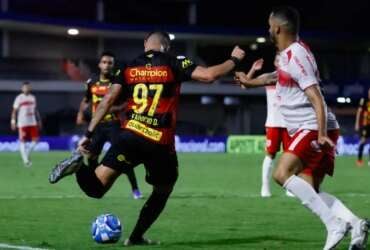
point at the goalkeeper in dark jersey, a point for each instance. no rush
(151, 83)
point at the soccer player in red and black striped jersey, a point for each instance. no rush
(151, 83)
(363, 126)
(96, 88)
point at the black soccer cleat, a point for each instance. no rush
(141, 242)
(66, 167)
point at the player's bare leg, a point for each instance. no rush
(93, 163)
(304, 189)
(96, 182)
(149, 213)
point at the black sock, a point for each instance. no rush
(93, 163)
(149, 213)
(360, 151)
(89, 183)
(132, 179)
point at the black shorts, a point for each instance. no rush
(104, 132)
(365, 131)
(130, 150)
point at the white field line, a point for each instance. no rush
(8, 246)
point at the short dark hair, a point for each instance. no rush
(107, 53)
(164, 38)
(290, 16)
(26, 83)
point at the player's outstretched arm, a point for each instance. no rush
(257, 65)
(262, 80)
(118, 108)
(317, 100)
(101, 111)
(80, 116)
(210, 74)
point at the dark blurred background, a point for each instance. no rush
(37, 44)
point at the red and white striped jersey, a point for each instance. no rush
(297, 70)
(26, 107)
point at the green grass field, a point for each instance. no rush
(215, 205)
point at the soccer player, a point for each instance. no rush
(97, 87)
(276, 133)
(314, 129)
(152, 84)
(27, 119)
(362, 126)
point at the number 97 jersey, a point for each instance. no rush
(151, 84)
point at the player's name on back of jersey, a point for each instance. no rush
(145, 119)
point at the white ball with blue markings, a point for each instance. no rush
(106, 228)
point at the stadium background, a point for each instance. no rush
(35, 46)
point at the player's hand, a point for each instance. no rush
(325, 142)
(357, 128)
(80, 119)
(257, 65)
(240, 78)
(82, 145)
(13, 126)
(39, 124)
(238, 53)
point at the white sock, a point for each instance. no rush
(30, 148)
(22, 149)
(266, 171)
(339, 209)
(309, 198)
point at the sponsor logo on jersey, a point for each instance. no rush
(142, 129)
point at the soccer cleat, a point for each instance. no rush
(66, 167)
(265, 192)
(289, 194)
(359, 235)
(359, 163)
(336, 233)
(137, 194)
(141, 242)
(28, 164)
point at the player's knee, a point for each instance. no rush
(94, 192)
(280, 176)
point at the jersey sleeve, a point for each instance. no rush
(302, 70)
(16, 103)
(184, 67)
